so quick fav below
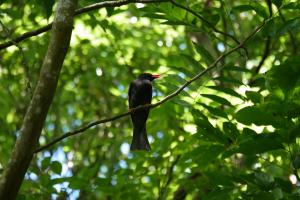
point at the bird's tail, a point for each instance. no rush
(140, 140)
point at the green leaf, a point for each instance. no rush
(181, 102)
(271, 27)
(217, 99)
(56, 167)
(293, 133)
(255, 97)
(154, 15)
(55, 181)
(205, 55)
(174, 79)
(291, 6)
(103, 182)
(260, 10)
(194, 63)
(264, 180)
(104, 24)
(45, 163)
(110, 11)
(205, 128)
(228, 91)
(257, 116)
(174, 22)
(47, 6)
(285, 75)
(229, 80)
(260, 144)
(257, 7)
(77, 183)
(296, 162)
(231, 130)
(205, 154)
(243, 8)
(277, 3)
(237, 69)
(214, 111)
(290, 25)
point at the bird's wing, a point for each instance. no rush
(131, 94)
(140, 93)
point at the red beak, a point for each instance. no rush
(155, 75)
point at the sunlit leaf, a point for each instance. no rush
(218, 99)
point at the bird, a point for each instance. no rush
(140, 93)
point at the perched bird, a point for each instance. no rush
(140, 93)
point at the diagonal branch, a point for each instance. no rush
(167, 98)
(30, 131)
(205, 21)
(79, 11)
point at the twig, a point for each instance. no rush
(25, 36)
(267, 44)
(77, 12)
(28, 88)
(167, 98)
(265, 55)
(169, 178)
(181, 191)
(110, 4)
(205, 21)
(107, 4)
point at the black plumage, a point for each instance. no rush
(140, 93)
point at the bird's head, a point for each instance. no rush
(149, 76)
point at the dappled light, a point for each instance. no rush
(80, 119)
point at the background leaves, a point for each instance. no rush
(235, 131)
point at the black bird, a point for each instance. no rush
(140, 93)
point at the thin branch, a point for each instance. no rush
(205, 21)
(28, 88)
(30, 131)
(267, 43)
(107, 4)
(269, 4)
(110, 4)
(169, 178)
(181, 191)
(25, 36)
(265, 55)
(77, 12)
(167, 98)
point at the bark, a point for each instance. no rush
(39, 105)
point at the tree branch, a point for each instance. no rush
(169, 174)
(114, 4)
(265, 55)
(37, 110)
(111, 4)
(167, 98)
(181, 191)
(205, 21)
(77, 12)
(23, 59)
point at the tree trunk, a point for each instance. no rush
(39, 105)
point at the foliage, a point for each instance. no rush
(233, 134)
